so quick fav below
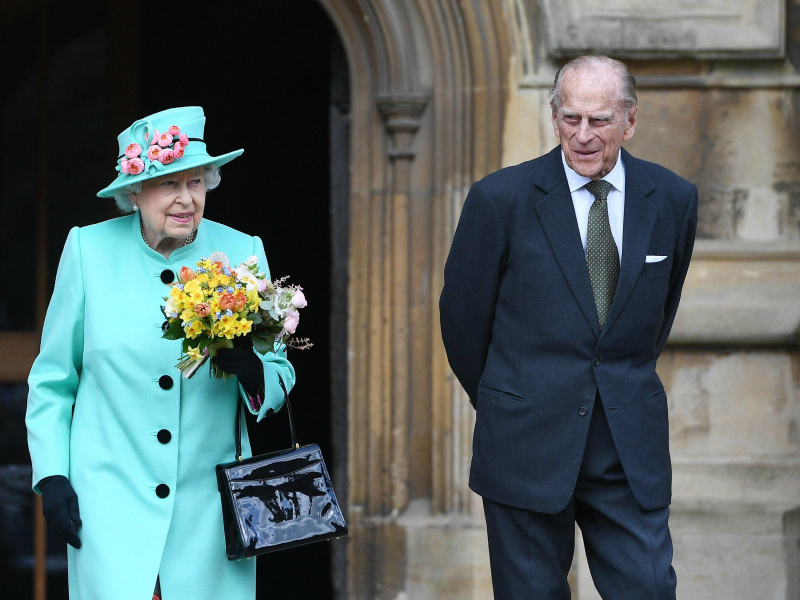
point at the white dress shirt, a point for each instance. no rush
(582, 200)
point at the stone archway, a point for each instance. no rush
(427, 98)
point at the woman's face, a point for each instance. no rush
(172, 205)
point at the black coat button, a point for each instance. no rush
(582, 411)
(164, 326)
(596, 361)
(165, 381)
(164, 436)
(167, 276)
(162, 490)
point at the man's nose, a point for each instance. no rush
(585, 132)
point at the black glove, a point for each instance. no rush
(60, 504)
(241, 360)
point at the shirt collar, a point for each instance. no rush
(616, 177)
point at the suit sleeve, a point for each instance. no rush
(471, 281)
(55, 374)
(275, 363)
(683, 255)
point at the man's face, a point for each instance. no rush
(592, 123)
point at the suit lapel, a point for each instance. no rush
(638, 222)
(557, 216)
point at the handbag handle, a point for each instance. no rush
(238, 435)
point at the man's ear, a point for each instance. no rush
(554, 120)
(630, 123)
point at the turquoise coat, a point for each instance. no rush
(96, 404)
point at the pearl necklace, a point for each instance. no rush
(188, 240)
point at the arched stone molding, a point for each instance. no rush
(427, 97)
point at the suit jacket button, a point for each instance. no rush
(165, 382)
(596, 361)
(582, 411)
(167, 276)
(162, 490)
(164, 436)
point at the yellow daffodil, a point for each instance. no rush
(195, 354)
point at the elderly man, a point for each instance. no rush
(561, 287)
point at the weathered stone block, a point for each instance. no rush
(658, 29)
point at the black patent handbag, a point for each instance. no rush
(277, 500)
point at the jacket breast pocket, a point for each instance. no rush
(657, 269)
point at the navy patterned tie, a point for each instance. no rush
(602, 256)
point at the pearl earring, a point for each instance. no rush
(135, 207)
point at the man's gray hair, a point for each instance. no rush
(626, 79)
(211, 179)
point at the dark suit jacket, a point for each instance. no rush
(521, 331)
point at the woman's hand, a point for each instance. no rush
(60, 504)
(242, 361)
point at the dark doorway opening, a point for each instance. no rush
(270, 79)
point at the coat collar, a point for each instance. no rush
(557, 215)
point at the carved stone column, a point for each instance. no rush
(402, 116)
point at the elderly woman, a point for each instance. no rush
(112, 427)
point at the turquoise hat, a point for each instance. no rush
(165, 142)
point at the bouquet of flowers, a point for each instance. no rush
(211, 305)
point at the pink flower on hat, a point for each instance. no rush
(133, 150)
(153, 152)
(146, 136)
(178, 150)
(135, 166)
(174, 130)
(123, 166)
(184, 140)
(166, 156)
(155, 136)
(164, 140)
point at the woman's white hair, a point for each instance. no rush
(211, 179)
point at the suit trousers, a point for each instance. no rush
(629, 549)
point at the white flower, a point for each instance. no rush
(252, 261)
(245, 276)
(171, 306)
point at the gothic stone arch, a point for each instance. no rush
(427, 94)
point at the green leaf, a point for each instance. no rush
(175, 331)
(264, 344)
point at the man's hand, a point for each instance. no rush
(242, 361)
(60, 504)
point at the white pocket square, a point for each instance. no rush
(653, 259)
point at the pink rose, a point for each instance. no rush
(167, 156)
(153, 152)
(184, 139)
(291, 321)
(135, 166)
(155, 136)
(262, 286)
(178, 150)
(133, 150)
(174, 130)
(164, 140)
(146, 136)
(299, 300)
(123, 166)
